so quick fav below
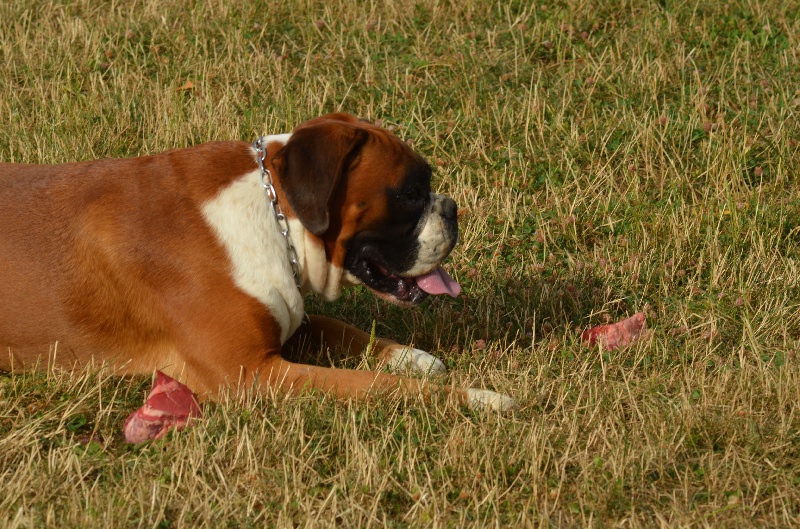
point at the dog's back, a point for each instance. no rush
(82, 260)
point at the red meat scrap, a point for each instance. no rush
(615, 335)
(170, 404)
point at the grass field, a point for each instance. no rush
(607, 158)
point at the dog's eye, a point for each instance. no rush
(413, 196)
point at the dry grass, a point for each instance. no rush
(608, 157)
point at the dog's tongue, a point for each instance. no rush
(439, 282)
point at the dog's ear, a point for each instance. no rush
(312, 164)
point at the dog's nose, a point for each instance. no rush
(449, 209)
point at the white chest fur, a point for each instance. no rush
(246, 226)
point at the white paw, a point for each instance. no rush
(416, 360)
(482, 399)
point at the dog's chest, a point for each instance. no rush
(246, 227)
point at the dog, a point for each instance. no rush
(194, 261)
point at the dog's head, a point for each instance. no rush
(366, 197)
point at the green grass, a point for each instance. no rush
(607, 157)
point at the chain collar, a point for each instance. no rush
(272, 197)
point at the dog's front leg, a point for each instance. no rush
(254, 363)
(347, 383)
(344, 384)
(322, 333)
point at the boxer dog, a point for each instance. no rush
(194, 261)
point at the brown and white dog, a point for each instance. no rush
(176, 261)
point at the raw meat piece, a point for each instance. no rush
(618, 334)
(169, 404)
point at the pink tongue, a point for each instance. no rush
(439, 282)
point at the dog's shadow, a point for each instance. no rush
(536, 305)
(304, 350)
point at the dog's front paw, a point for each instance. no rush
(416, 360)
(483, 399)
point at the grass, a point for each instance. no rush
(607, 157)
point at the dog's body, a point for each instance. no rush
(177, 262)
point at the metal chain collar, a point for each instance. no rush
(272, 197)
